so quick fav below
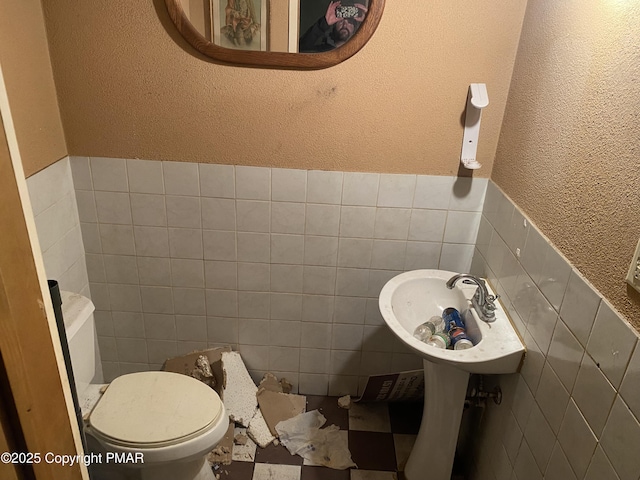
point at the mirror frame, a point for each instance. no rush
(300, 61)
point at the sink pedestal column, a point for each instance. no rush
(433, 453)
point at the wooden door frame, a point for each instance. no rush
(8, 440)
(29, 342)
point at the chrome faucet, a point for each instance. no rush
(482, 301)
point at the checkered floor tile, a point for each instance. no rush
(380, 438)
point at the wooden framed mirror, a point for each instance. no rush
(289, 34)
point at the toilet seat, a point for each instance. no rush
(155, 409)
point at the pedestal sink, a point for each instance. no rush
(411, 298)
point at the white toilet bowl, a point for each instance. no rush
(167, 420)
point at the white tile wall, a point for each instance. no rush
(58, 225)
(574, 412)
(284, 265)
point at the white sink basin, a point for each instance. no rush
(411, 298)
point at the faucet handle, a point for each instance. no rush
(490, 306)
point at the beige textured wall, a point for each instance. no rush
(24, 57)
(130, 87)
(569, 150)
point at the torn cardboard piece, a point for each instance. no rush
(277, 406)
(186, 364)
(303, 436)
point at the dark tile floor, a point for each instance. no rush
(380, 438)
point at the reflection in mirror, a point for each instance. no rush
(305, 26)
(275, 32)
(239, 24)
(332, 28)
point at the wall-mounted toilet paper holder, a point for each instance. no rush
(477, 99)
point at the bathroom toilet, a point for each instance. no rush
(146, 425)
(168, 422)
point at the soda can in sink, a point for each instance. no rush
(459, 339)
(452, 319)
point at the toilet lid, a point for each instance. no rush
(155, 409)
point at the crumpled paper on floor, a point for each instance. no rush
(302, 436)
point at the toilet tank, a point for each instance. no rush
(77, 312)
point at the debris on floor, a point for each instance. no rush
(303, 436)
(216, 474)
(240, 439)
(345, 402)
(276, 407)
(259, 431)
(262, 415)
(239, 391)
(224, 449)
(244, 449)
